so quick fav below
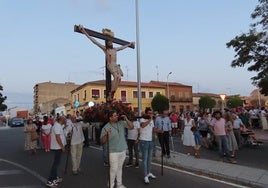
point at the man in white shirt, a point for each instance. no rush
(58, 142)
(77, 139)
(132, 143)
(146, 143)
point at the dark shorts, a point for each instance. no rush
(203, 133)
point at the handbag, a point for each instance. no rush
(34, 135)
(182, 137)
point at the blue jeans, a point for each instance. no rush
(223, 146)
(146, 148)
(54, 169)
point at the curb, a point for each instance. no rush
(217, 173)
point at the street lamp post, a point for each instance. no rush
(138, 58)
(222, 104)
(168, 88)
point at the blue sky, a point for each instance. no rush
(187, 38)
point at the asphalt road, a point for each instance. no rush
(20, 169)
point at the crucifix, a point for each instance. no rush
(112, 68)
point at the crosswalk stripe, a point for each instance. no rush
(10, 172)
(25, 186)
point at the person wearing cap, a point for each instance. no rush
(218, 128)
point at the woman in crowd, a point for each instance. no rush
(188, 137)
(46, 134)
(232, 144)
(30, 142)
(203, 129)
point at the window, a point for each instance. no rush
(78, 97)
(180, 94)
(143, 94)
(85, 95)
(104, 93)
(135, 94)
(158, 92)
(123, 96)
(151, 94)
(187, 94)
(95, 93)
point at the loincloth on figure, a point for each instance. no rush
(115, 69)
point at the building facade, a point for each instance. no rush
(127, 92)
(180, 96)
(216, 97)
(49, 95)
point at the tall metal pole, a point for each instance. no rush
(168, 90)
(138, 58)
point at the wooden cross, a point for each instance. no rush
(106, 38)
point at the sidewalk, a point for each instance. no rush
(248, 176)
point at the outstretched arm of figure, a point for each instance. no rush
(82, 29)
(132, 44)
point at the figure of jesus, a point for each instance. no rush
(110, 53)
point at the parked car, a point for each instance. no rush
(16, 122)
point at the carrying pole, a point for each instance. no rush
(108, 158)
(68, 147)
(162, 145)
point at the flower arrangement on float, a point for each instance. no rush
(99, 112)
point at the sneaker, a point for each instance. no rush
(146, 180)
(136, 165)
(51, 184)
(232, 161)
(150, 175)
(75, 172)
(121, 186)
(168, 156)
(58, 180)
(129, 164)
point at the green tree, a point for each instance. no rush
(234, 102)
(3, 107)
(205, 103)
(160, 103)
(252, 48)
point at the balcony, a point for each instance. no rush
(180, 99)
(123, 99)
(95, 96)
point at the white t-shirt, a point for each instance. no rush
(77, 136)
(263, 113)
(132, 134)
(46, 128)
(57, 129)
(146, 133)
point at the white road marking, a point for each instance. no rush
(10, 172)
(33, 173)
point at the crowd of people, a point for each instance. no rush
(226, 131)
(57, 135)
